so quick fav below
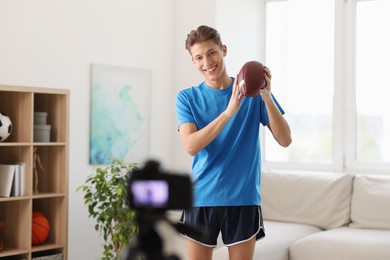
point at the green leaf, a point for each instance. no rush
(105, 195)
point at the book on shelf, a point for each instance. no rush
(15, 191)
(19, 184)
(7, 173)
(22, 167)
(17, 179)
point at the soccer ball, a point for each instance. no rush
(5, 126)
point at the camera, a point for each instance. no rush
(152, 192)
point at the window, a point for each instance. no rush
(372, 81)
(330, 76)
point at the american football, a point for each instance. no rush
(251, 78)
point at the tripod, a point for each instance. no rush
(148, 244)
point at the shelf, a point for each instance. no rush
(17, 218)
(17, 198)
(7, 252)
(54, 209)
(46, 247)
(53, 105)
(48, 195)
(20, 103)
(17, 105)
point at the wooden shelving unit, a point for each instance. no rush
(20, 103)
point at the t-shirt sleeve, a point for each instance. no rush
(183, 109)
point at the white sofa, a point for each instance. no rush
(323, 216)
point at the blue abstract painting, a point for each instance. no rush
(120, 113)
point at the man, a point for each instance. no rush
(220, 128)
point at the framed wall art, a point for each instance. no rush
(120, 114)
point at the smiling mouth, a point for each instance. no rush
(211, 69)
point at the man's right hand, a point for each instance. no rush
(235, 100)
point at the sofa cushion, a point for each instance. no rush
(343, 244)
(370, 206)
(275, 245)
(321, 199)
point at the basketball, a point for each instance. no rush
(40, 228)
(251, 78)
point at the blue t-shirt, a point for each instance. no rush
(227, 171)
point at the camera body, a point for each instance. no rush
(152, 190)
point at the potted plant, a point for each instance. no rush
(105, 194)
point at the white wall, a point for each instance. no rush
(240, 24)
(51, 44)
(189, 17)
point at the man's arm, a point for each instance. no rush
(194, 139)
(277, 123)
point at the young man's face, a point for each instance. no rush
(208, 58)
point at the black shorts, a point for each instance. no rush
(237, 224)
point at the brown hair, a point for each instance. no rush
(201, 34)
